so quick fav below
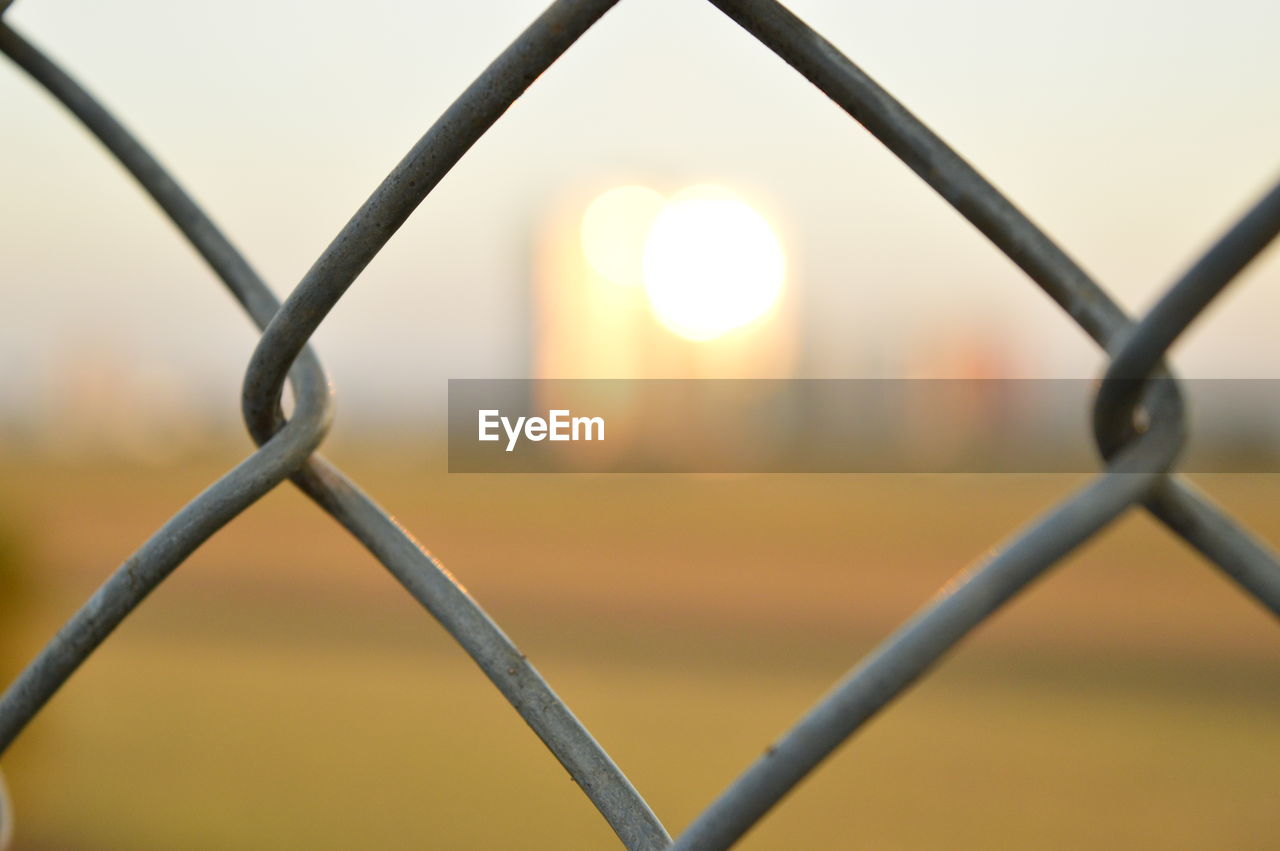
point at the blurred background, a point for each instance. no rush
(281, 690)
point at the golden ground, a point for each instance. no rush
(281, 691)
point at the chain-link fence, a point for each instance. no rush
(1138, 423)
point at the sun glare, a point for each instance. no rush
(709, 262)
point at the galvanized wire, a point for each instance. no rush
(1138, 420)
(287, 450)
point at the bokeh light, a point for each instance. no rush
(614, 228)
(712, 264)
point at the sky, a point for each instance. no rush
(1133, 132)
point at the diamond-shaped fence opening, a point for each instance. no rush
(1137, 415)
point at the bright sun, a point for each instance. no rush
(709, 262)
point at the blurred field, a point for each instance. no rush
(281, 691)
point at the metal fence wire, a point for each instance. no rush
(1137, 416)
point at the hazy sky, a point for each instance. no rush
(1132, 132)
